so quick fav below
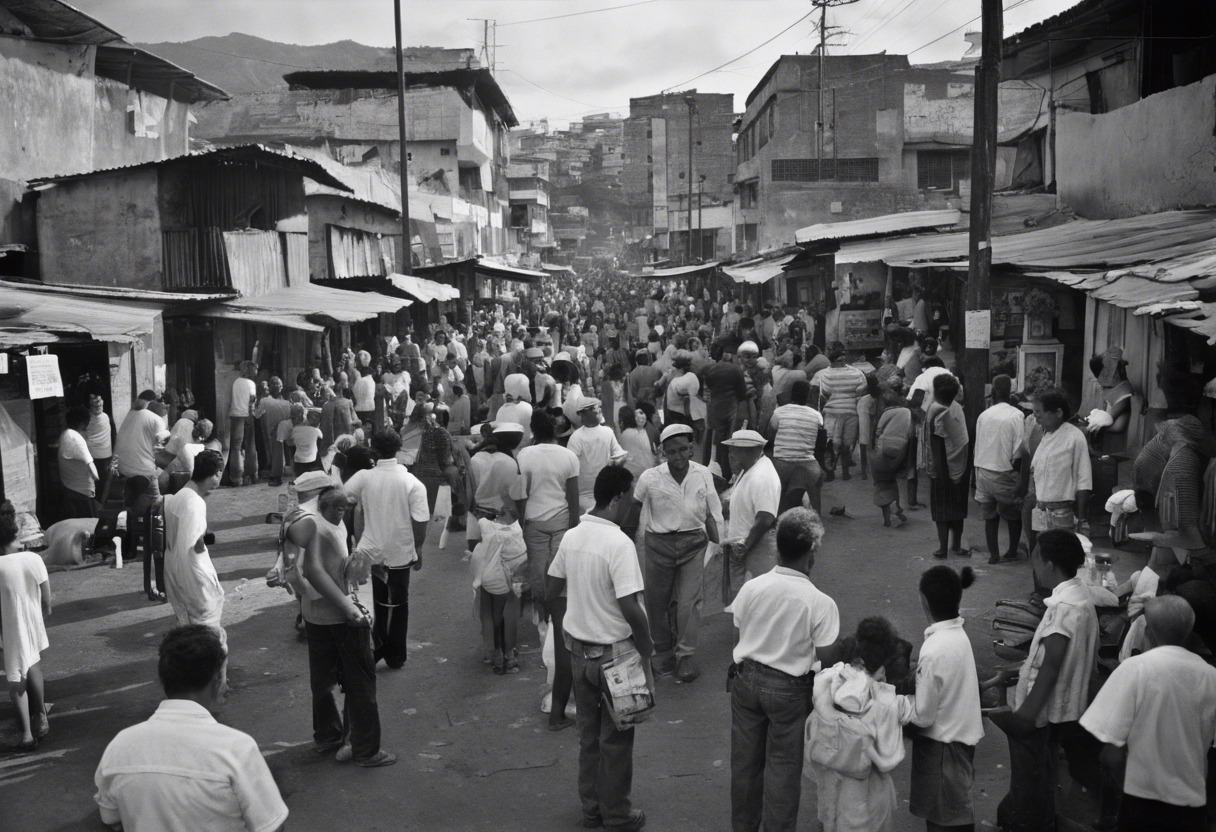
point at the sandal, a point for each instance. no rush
(512, 666)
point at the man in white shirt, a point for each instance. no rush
(390, 526)
(77, 473)
(242, 456)
(596, 446)
(786, 627)
(597, 566)
(191, 583)
(683, 510)
(1063, 474)
(181, 769)
(135, 446)
(998, 443)
(749, 548)
(1157, 716)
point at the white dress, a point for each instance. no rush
(191, 583)
(21, 573)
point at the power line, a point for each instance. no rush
(578, 14)
(558, 94)
(964, 26)
(744, 55)
(883, 25)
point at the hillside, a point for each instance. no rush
(243, 63)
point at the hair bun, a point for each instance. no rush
(966, 576)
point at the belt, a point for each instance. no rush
(682, 531)
(755, 665)
(591, 650)
(1061, 504)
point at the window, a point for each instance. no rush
(749, 194)
(772, 120)
(445, 151)
(763, 131)
(837, 170)
(942, 170)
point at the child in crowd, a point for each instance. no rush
(305, 438)
(498, 558)
(946, 707)
(25, 598)
(282, 433)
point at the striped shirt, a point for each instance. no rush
(844, 384)
(797, 429)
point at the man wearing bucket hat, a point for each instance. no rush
(684, 513)
(754, 503)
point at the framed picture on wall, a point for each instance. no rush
(1040, 365)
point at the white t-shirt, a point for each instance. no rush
(678, 506)
(998, 437)
(135, 449)
(191, 581)
(74, 462)
(686, 384)
(97, 434)
(595, 448)
(782, 617)
(243, 389)
(947, 702)
(543, 471)
(390, 497)
(364, 392)
(924, 382)
(758, 489)
(493, 472)
(1162, 706)
(304, 438)
(600, 566)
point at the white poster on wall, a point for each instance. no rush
(42, 372)
(979, 329)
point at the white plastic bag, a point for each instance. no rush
(443, 511)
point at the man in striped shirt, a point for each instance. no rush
(840, 386)
(798, 436)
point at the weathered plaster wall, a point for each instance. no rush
(104, 231)
(113, 142)
(325, 210)
(1155, 155)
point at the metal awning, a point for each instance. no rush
(497, 268)
(904, 223)
(311, 304)
(758, 271)
(677, 272)
(552, 269)
(424, 290)
(299, 322)
(58, 22)
(28, 316)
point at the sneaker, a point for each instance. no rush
(687, 670)
(344, 753)
(665, 667)
(327, 747)
(377, 760)
(591, 822)
(636, 821)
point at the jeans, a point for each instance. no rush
(674, 563)
(605, 757)
(392, 604)
(274, 449)
(542, 537)
(242, 456)
(1030, 804)
(340, 654)
(768, 712)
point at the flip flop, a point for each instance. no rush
(940, 555)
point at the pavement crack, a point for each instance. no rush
(549, 764)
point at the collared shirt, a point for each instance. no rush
(947, 703)
(998, 437)
(183, 770)
(782, 617)
(390, 497)
(595, 448)
(1162, 706)
(796, 428)
(1061, 465)
(678, 506)
(543, 472)
(600, 565)
(134, 450)
(758, 489)
(1070, 612)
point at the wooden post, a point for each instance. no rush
(983, 170)
(407, 246)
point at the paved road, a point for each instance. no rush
(474, 752)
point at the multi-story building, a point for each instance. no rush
(456, 142)
(656, 177)
(881, 136)
(529, 183)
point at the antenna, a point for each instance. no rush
(489, 41)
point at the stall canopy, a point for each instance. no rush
(678, 272)
(308, 307)
(489, 267)
(904, 223)
(759, 270)
(423, 289)
(552, 269)
(31, 317)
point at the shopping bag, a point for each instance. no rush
(443, 511)
(626, 692)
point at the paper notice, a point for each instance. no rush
(43, 374)
(979, 329)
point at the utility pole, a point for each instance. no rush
(407, 240)
(691, 101)
(977, 325)
(700, 233)
(823, 51)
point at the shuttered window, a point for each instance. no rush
(837, 170)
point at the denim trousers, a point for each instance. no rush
(391, 600)
(768, 712)
(674, 566)
(542, 537)
(340, 654)
(605, 757)
(241, 450)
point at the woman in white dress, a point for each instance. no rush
(25, 597)
(191, 582)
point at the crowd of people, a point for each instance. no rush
(596, 452)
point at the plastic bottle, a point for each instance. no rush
(1090, 575)
(1107, 575)
(118, 553)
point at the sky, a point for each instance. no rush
(565, 68)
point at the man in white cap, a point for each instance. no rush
(517, 395)
(754, 503)
(683, 517)
(596, 446)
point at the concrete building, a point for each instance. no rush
(656, 174)
(529, 182)
(894, 137)
(457, 149)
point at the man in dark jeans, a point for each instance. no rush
(727, 386)
(605, 619)
(786, 626)
(339, 645)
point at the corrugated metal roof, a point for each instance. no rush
(312, 302)
(54, 20)
(498, 268)
(299, 322)
(678, 271)
(423, 289)
(141, 69)
(758, 271)
(119, 292)
(874, 226)
(236, 153)
(102, 320)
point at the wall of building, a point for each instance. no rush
(713, 157)
(325, 210)
(1155, 155)
(103, 231)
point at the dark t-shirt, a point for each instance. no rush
(727, 386)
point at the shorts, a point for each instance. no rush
(842, 429)
(942, 776)
(996, 494)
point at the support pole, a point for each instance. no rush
(983, 169)
(407, 247)
(691, 101)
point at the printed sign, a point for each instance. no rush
(861, 329)
(979, 329)
(43, 374)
